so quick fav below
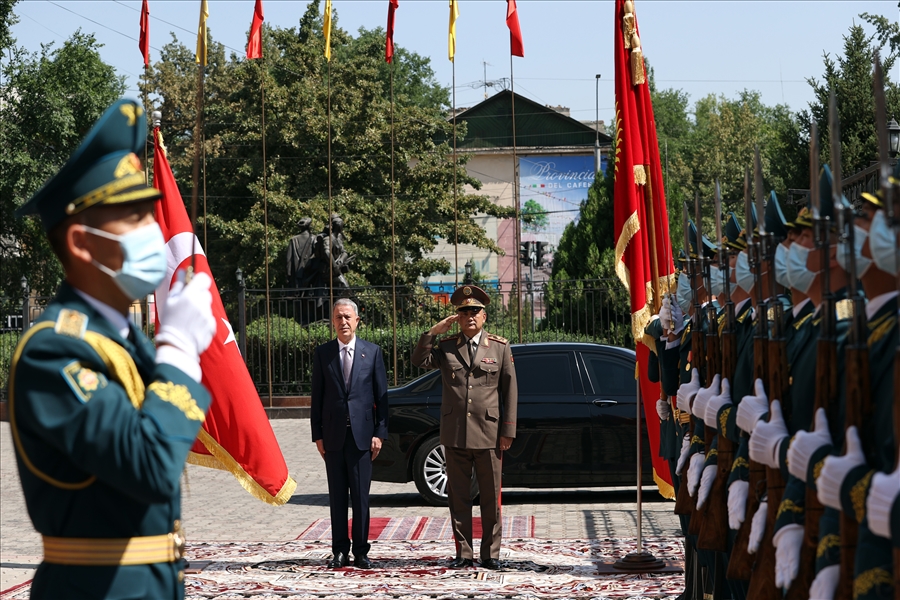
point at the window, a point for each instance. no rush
(543, 374)
(610, 376)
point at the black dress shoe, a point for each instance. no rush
(461, 563)
(491, 563)
(339, 561)
(362, 562)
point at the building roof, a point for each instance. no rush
(489, 125)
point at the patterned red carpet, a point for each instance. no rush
(419, 528)
(416, 570)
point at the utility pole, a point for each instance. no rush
(597, 124)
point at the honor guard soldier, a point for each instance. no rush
(102, 421)
(478, 417)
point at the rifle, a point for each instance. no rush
(714, 529)
(684, 504)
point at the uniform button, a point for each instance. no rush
(470, 387)
(468, 414)
(470, 401)
(180, 576)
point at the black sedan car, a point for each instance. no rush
(576, 424)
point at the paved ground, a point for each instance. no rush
(216, 508)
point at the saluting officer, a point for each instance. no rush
(101, 420)
(478, 417)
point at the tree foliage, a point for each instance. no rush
(296, 81)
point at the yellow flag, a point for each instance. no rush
(454, 14)
(326, 30)
(201, 34)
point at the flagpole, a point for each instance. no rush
(518, 232)
(145, 305)
(330, 207)
(393, 233)
(455, 191)
(262, 93)
(198, 128)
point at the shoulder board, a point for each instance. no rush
(450, 338)
(802, 320)
(843, 309)
(71, 323)
(882, 329)
(497, 338)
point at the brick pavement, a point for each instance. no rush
(216, 507)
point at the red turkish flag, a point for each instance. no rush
(639, 208)
(389, 41)
(236, 435)
(254, 43)
(144, 40)
(516, 46)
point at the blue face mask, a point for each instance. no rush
(683, 293)
(742, 272)
(781, 270)
(717, 280)
(801, 277)
(144, 263)
(843, 251)
(882, 243)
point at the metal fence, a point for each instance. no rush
(298, 321)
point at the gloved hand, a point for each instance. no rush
(687, 391)
(787, 542)
(663, 409)
(188, 326)
(677, 318)
(694, 470)
(825, 583)
(806, 444)
(706, 482)
(737, 503)
(682, 458)
(757, 527)
(752, 408)
(718, 402)
(665, 313)
(883, 492)
(767, 437)
(703, 397)
(828, 485)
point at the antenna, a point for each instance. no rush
(486, 64)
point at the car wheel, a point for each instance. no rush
(430, 473)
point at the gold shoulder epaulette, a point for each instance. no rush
(71, 323)
(497, 338)
(449, 338)
(843, 309)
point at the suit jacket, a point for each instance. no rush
(479, 401)
(365, 404)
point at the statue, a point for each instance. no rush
(333, 259)
(300, 250)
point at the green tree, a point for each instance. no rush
(7, 20)
(296, 80)
(534, 217)
(45, 111)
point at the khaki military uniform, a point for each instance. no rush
(478, 406)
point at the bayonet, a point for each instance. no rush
(814, 169)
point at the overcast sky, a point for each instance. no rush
(701, 47)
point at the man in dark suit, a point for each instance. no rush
(349, 419)
(478, 417)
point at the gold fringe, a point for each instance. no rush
(637, 63)
(640, 175)
(665, 488)
(205, 460)
(248, 483)
(639, 321)
(629, 229)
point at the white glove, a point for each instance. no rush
(663, 410)
(677, 318)
(189, 325)
(694, 470)
(757, 527)
(703, 397)
(752, 408)
(706, 481)
(682, 458)
(767, 437)
(737, 503)
(665, 313)
(805, 444)
(828, 485)
(787, 542)
(825, 583)
(717, 402)
(883, 492)
(687, 391)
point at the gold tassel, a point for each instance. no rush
(628, 24)
(640, 175)
(637, 62)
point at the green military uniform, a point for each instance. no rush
(101, 431)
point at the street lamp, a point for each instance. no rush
(894, 138)
(597, 124)
(468, 277)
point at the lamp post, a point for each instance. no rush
(597, 123)
(468, 277)
(893, 138)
